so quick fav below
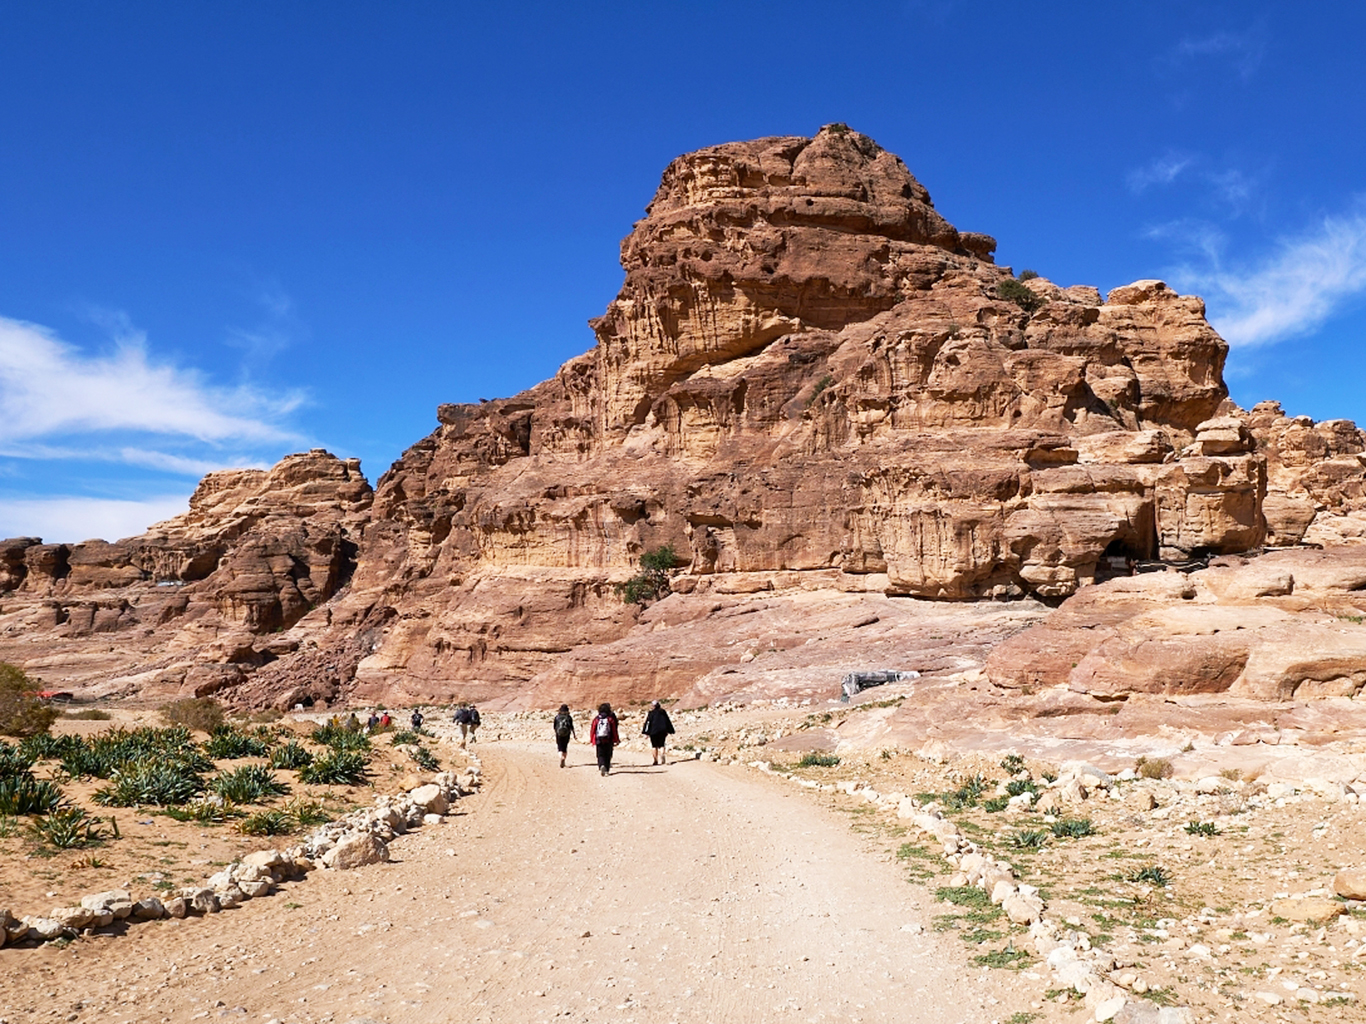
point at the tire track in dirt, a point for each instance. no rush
(707, 894)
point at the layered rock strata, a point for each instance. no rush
(810, 383)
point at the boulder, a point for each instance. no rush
(1311, 908)
(1350, 883)
(355, 850)
(149, 909)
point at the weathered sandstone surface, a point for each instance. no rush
(824, 397)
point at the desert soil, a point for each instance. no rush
(692, 892)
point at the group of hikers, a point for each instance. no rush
(604, 734)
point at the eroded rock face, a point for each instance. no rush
(194, 604)
(810, 384)
(1280, 627)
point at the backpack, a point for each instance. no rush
(564, 726)
(604, 730)
(417, 719)
(462, 716)
(474, 716)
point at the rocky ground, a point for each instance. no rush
(1186, 880)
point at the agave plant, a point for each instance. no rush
(1073, 828)
(249, 784)
(162, 783)
(424, 759)
(290, 755)
(207, 810)
(272, 822)
(23, 794)
(228, 744)
(335, 768)
(339, 737)
(69, 828)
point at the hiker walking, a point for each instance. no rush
(416, 719)
(474, 721)
(658, 728)
(564, 731)
(462, 719)
(603, 732)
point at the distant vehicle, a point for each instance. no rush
(56, 696)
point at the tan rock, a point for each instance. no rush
(1311, 908)
(1350, 883)
(355, 850)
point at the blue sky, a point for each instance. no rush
(232, 231)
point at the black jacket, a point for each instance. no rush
(657, 723)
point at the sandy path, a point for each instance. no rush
(711, 895)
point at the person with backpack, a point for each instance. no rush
(462, 719)
(604, 736)
(564, 731)
(474, 721)
(658, 728)
(416, 720)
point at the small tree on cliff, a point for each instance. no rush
(22, 713)
(652, 582)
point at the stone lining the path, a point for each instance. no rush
(359, 838)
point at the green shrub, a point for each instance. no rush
(89, 715)
(1013, 763)
(425, 759)
(1013, 291)
(266, 823)
(249, 784)
(1151, 874)
(1017, 786)
(1029, 839)
(1073, 828)
(161, 783)
(46, 747)
(207, 810)
(335, 768)
(996, 804)
(229, 744)
(21, 712)
(203, 714)
(818, 760)
(101, 756)
(290, 755)
(1154, 768)
(652, 582)
(14, 760)
(340, 736)
(1027, 275)
(23, 794)
(308, 812)
(70, 828)
(1202, 828)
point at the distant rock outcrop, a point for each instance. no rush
(810, 382)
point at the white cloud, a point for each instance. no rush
(49, 388)
(1162, 171)
(1243, 49)
(1307, 280)
(66, 519)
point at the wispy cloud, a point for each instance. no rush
(80, 518)
(1161, 171)
(1306, 280)
(1242, 50)
(51, 389)
(278, 328)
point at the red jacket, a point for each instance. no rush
(593, 729)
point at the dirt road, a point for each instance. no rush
(692, 893)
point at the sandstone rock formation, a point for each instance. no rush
(198, 601)
(810, 383)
